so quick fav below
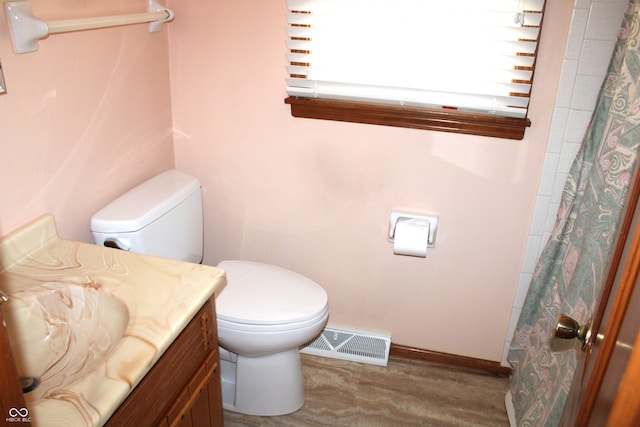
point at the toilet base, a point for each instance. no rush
(266, 385)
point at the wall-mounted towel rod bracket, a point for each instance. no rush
(26, 30)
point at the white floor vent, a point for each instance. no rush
(351, 345)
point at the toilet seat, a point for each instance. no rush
(262, 297)
(321, 318)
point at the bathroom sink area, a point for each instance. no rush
(60, 333)
(89, 322)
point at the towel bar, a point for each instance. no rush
(26, 30)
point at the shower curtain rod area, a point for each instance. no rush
(26, 30)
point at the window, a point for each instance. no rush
(462, 66)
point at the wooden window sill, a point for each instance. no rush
(409, 117)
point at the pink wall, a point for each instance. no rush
(315, 196)
(85, 118)
(89, 116)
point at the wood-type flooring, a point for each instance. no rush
(405, 393)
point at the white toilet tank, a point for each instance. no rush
(161, 217)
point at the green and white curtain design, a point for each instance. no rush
(573, 266)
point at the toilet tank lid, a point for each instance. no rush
(145, 203)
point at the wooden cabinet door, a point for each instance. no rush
(200, 403)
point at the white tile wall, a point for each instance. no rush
(591, 40)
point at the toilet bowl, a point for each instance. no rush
(264, 313)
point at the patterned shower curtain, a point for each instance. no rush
(573, 266)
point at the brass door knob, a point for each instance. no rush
(567, 328)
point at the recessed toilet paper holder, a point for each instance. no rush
(431, 219)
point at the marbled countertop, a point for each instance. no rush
(91, 320)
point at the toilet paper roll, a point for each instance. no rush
(411, 237)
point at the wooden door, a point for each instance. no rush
(12, 405)
(595, 389)
(626, 406)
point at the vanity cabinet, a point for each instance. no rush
(183, 387)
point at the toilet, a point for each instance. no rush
(264, 313)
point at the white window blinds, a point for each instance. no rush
(465, 55)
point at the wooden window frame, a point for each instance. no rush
(442, 120)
